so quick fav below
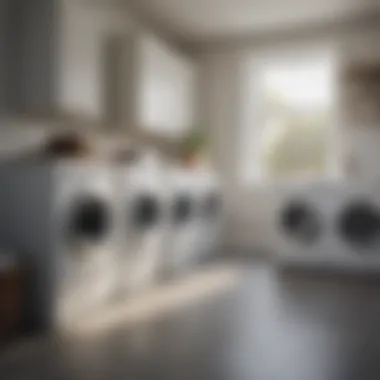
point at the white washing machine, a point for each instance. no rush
(185, 222)
(60, 217)
(335, 224)
(210, 214)
(143, 215)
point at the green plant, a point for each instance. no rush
(192, 144)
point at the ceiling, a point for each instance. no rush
(208, 19)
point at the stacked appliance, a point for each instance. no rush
(60, 217)
(334, 224)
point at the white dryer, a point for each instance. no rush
(143, 215)
(210, 214)
(185, 222)
(330, 223)
(60, 216)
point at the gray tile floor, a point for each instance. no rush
(265, 325)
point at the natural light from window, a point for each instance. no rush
(291, 118)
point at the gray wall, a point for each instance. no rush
(3, 53)
(31, 37)
(51, 55)
(83, 33)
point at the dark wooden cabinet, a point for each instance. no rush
(12, 301)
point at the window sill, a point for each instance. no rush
(290, 182)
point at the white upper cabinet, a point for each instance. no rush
(166, 84)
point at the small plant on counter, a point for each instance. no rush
(192, 149)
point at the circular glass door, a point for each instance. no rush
(301, 222)
(145, 212)
(359, 224)
(89, 219)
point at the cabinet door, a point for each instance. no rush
(166, 85)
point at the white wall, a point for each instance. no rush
(251, 209)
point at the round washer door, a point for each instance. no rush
(359, 224)
(145, 212)
(90, 218)
(183, 209)
(300, 221)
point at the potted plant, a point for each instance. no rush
(192, 149)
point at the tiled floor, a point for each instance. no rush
(233, 323)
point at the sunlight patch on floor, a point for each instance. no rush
(161, 300)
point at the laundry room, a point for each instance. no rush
(189, 188)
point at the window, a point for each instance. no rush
(291, 117)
